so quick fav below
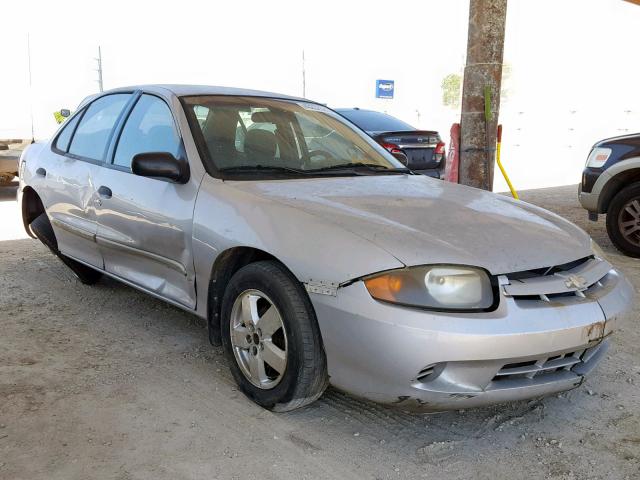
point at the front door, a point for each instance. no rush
(145, 224)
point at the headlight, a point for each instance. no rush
(440, 287)
(598, 157)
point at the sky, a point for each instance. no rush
(574, 70)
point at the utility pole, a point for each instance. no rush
(304, 78)
(33, 135)
(99, 69)
(482, 79)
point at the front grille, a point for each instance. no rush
(542, 272)
(574, 279)
(544, 366)
(425, 373)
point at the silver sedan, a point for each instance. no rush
(315, 256)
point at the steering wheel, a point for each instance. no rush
(321, 153)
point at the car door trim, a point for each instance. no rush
(142, 253)
(81, 232)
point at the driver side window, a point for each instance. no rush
(149, 128)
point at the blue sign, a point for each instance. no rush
(384, 88)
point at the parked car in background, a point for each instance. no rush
(10, 151)
(424, 149)
(611, 185)
(315, 256)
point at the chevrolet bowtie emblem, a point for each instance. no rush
(575, 281)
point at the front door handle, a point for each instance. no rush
(105, 192)
(42, 172)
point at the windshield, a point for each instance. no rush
(375, 121)
(253, 133)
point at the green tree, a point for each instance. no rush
(451, 90)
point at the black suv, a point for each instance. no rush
(611, 185)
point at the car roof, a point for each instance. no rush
(196, 90)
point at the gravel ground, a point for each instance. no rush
(105, 382)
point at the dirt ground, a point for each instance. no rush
(105, 382)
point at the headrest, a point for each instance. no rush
(260, 142)
(264, 117)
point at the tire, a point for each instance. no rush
(42, 229)
(618, 213)
(304, 375)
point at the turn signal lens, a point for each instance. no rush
(384, 287)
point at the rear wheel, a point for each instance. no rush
(623, 220)
(271, 338)
(41, 227)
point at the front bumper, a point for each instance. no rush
(434, 361)
(588, 200)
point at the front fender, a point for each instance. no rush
(313, 249)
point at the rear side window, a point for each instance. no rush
(93, 132)
(149, 128)
(62, 142)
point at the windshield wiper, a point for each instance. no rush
(372, 167)
(350, 167)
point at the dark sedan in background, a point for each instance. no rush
(424, 149)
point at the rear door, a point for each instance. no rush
(71, 168)
(145, 224)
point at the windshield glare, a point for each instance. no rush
(245, 132)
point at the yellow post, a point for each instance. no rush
(504, 172)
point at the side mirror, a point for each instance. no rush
(65, 112)
(402, 158)
(162, 165)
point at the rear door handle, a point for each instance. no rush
(105, 192)
(42, 172)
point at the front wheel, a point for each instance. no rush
(623, 220)
(271, 338)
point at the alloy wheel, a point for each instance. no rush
(258, 339)
(629, 222)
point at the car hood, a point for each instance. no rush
(419, 220)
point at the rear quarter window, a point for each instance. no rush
(64, 137)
